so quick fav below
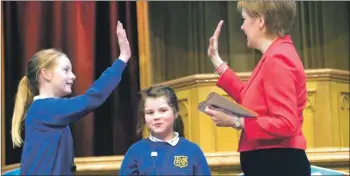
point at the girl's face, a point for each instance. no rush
(159, 116)
(62, 77)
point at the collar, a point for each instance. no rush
(286, 39)
(172, 141)
(39, 97)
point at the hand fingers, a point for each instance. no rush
(121, 25)
(120, 29)
(212, 112)
(121, 33)
(124, 33)
(218, 29)
(208, 111)
(217, 122)
(212, 41)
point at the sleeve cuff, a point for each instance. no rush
(120, 64)
(225, 78)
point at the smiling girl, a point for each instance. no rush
(164, 152)
(48, 143)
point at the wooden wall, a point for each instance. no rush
(326, 116)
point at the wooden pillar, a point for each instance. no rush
(144, 44)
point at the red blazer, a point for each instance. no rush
(276, 90)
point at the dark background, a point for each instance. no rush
(85, 31)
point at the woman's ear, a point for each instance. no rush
(46, 74)
(261, 21)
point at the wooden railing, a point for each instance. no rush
(221, 163)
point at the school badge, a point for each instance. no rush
(181, 161)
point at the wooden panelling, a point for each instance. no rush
(144, 44)
(221, 163)
(326, 116)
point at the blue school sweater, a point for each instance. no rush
(160, 158)
(48, 144)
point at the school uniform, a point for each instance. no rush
(48, 144)
(272, 143)
(152, 156)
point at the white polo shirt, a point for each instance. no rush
(172, 141)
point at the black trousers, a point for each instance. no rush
(275, 162)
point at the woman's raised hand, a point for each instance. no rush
(213, 52)
(213, 42)
(125, 52)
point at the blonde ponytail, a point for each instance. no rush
(24, 98)
(29, 87)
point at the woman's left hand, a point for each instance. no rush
(222, 119)
(213, 51)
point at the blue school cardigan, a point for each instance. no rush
(160, 158)
(48, 145)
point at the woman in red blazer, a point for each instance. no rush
(272, 143)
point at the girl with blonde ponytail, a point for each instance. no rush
(41, 104)
(24, 98)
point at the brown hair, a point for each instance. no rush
(28, 87)
(156, 92)
(279, 15)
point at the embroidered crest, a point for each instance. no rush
(181, 161)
